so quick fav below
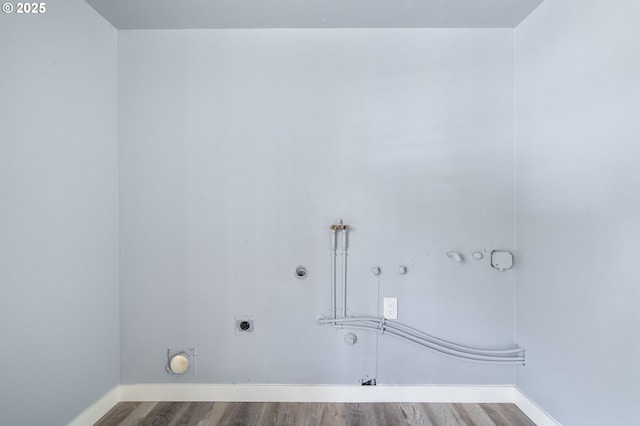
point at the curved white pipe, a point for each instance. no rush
(442, 351)
(393, 324)
(464, 354)
(383, 326)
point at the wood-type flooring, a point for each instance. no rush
(312, 414)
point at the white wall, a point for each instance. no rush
(578, 209)
(58, 213)
(239, 148)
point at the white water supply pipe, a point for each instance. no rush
(344, 271)
(334, 238)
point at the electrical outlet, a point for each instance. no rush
(390, 307)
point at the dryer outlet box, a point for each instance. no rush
(244, 324)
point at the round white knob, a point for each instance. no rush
(350, 339)
(457, 257)
(179, 364)
(376, 271)
(402, 270)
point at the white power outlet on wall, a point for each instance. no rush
(390, 307)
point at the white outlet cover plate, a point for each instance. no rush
(390, 307)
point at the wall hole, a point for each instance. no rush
(301, 272)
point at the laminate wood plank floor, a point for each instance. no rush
(312, 414)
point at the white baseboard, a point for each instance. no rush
(311, 393)
(533, 410)
(314, 393)
(98, 408)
